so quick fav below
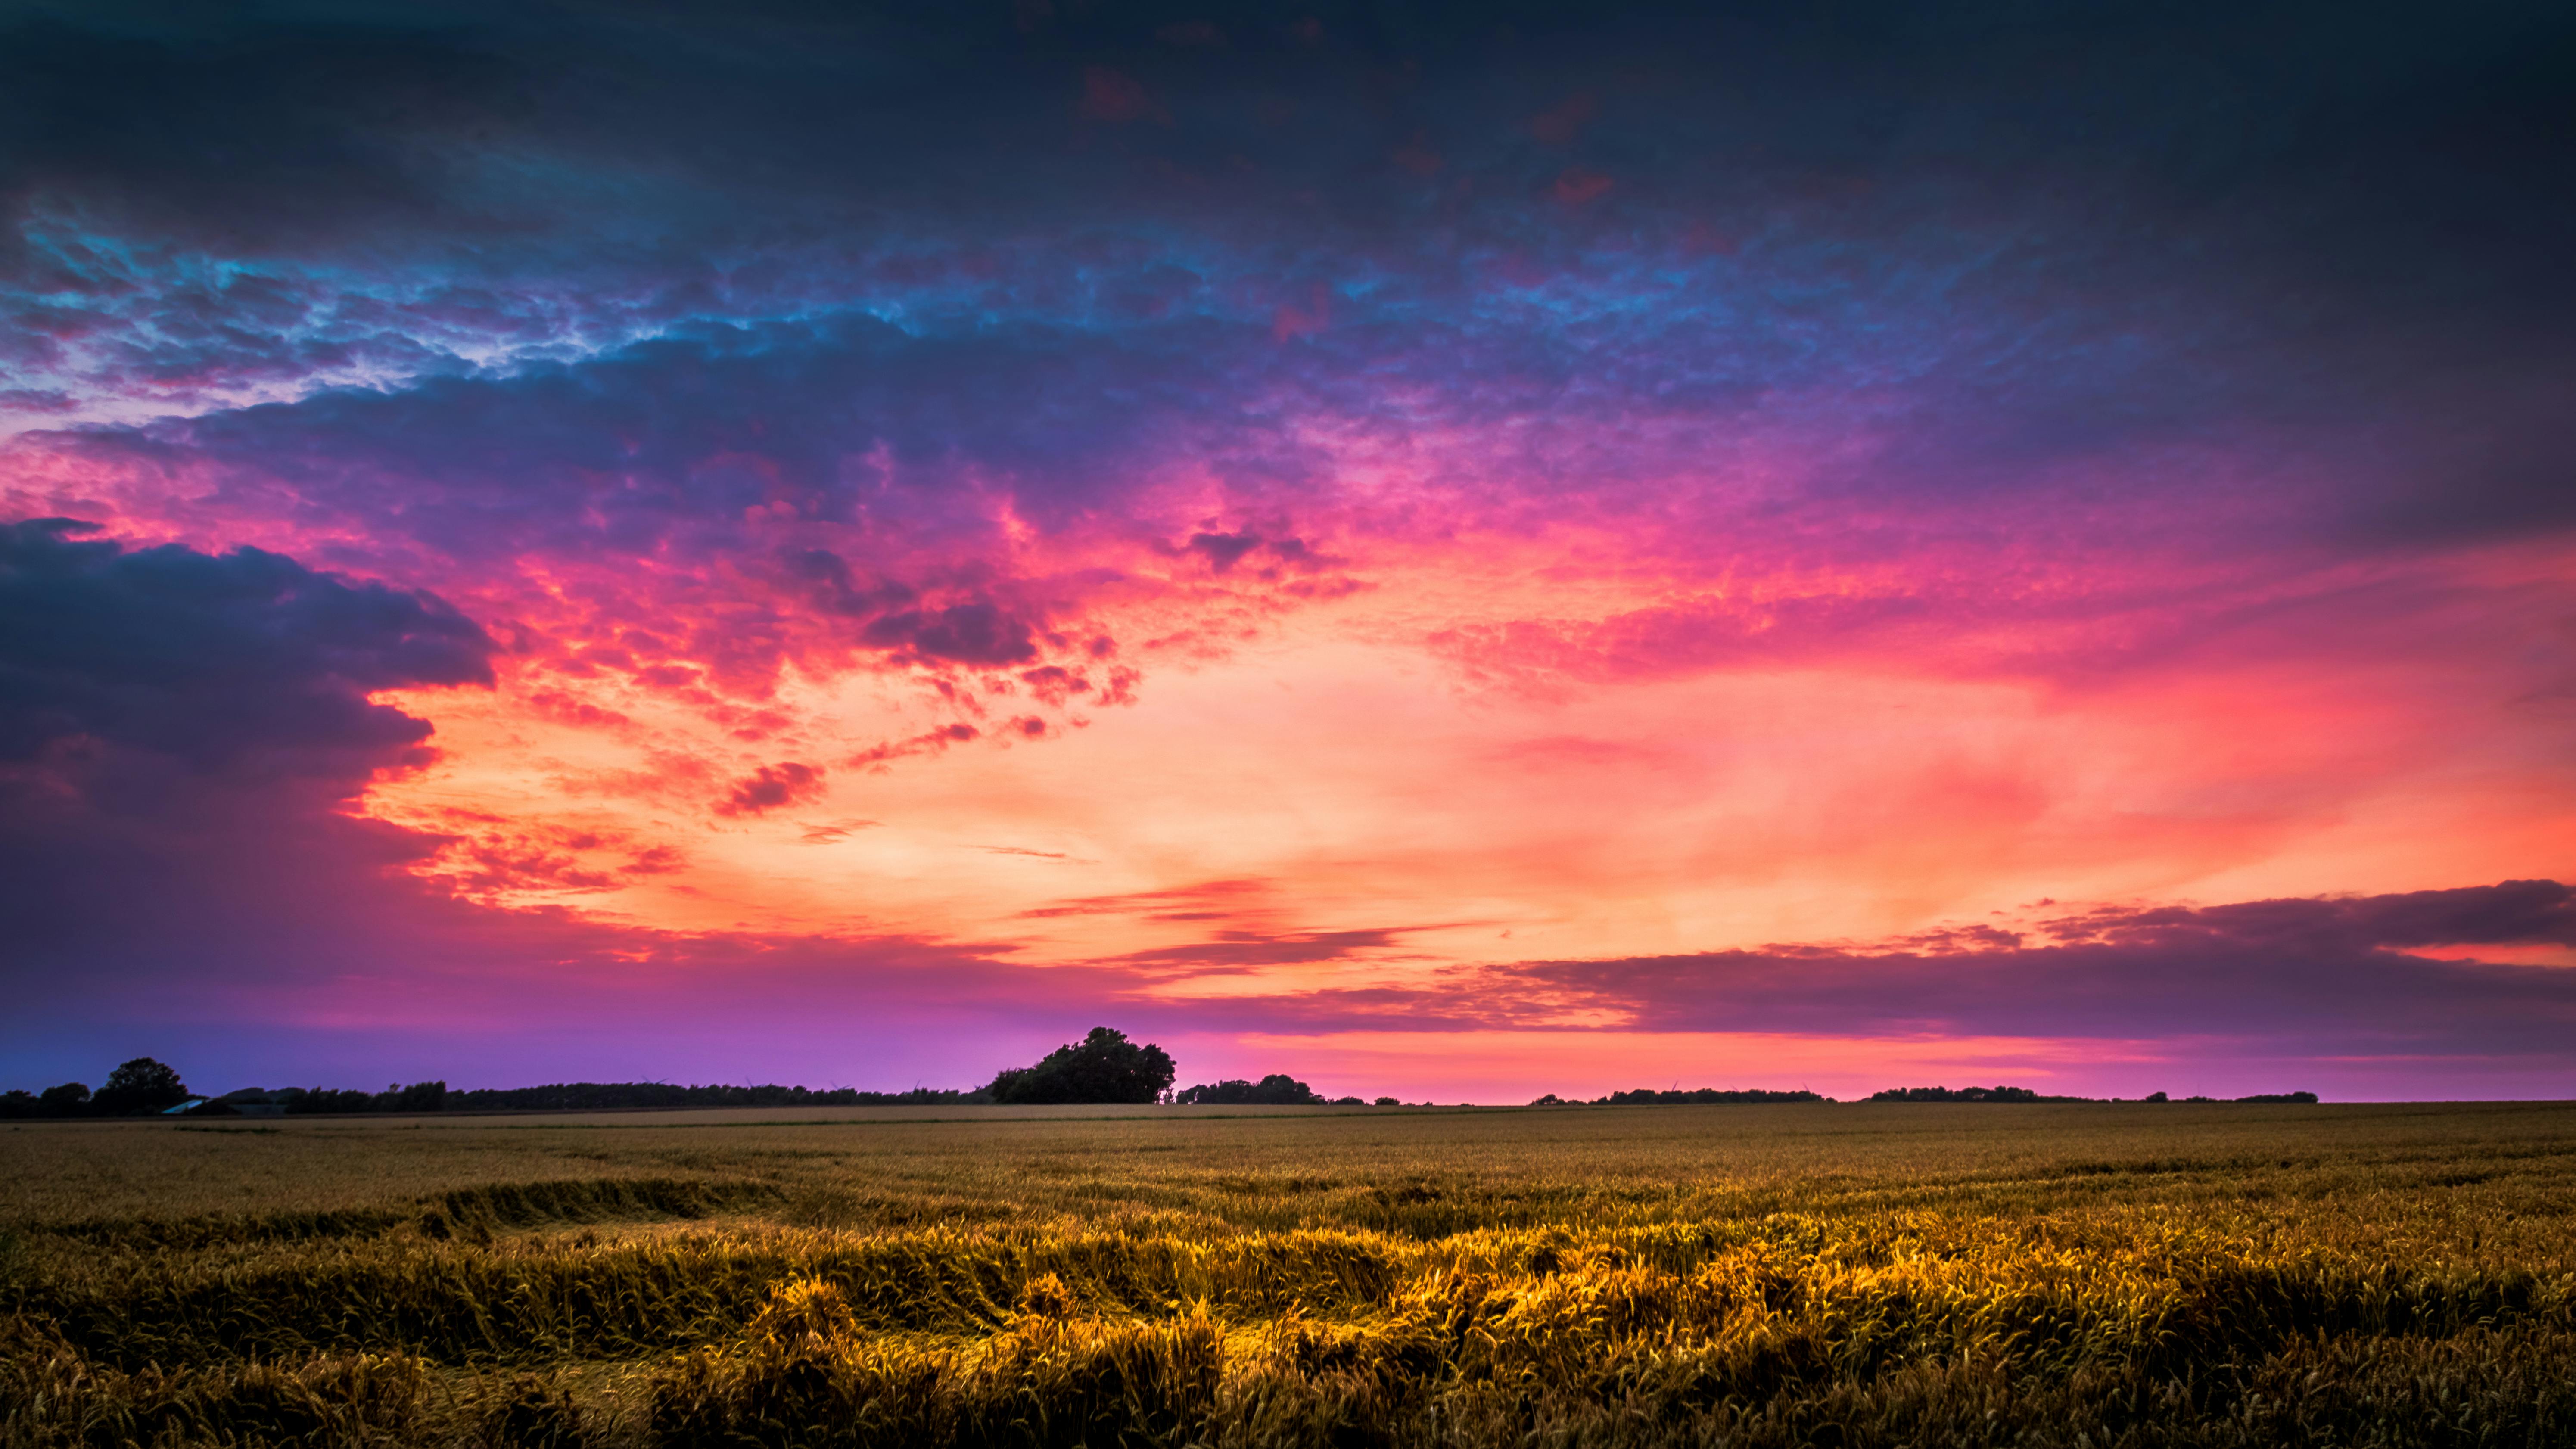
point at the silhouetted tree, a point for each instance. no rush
(141, 1085)
(1276, 1090)
(64, 1101)
(327, 1100)
(1966, 1094)
(418, 1097)
(1103, 1067)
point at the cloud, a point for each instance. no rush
(1692, 636)
(367, 240)
(292, 132)
(215, 659)
(1242, 948)
(929, 742)
(1235, 897)
(960, 634)
(181, 734)
(772, 787)
(837, 830)
(1224, 550)
(1560, 124)
(1108, 95)
(2330, 974)
(2515, 912)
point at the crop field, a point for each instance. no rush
(1882, 1274)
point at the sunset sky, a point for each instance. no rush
(1460, 551)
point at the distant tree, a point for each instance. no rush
(19, 1102)
(1550, 1100)
(1701, 1096)
(1966, 1094)
(141, 1085)
(1103, 1067)
(1276, 1090)
(1386, 1102)
(1348, 1102)
(2278, 1098)
(64, 1101)
(418, 1097)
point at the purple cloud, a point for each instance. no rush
(2328, 973)
(961, 633)
(772, 787)
(211, 658)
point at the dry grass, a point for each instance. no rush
(1897, 1274)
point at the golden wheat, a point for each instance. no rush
(1903, 1274)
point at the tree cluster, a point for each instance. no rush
(1276, 1090)
(396, 1097)
(135, 1089)
(1104, 1067)
(580, 1097)
(1965, 1094)
(610, 1096)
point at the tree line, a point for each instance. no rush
(1702, 1096)
(2025, 1094)
(1102, 1068)
(1692, 1097)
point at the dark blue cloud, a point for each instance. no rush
(248, 136)
(2044, 234)
(665, 443)
(215, 660)
(180, 736)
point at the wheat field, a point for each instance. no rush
(1881, 1274)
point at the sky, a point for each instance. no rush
(1458, 551)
